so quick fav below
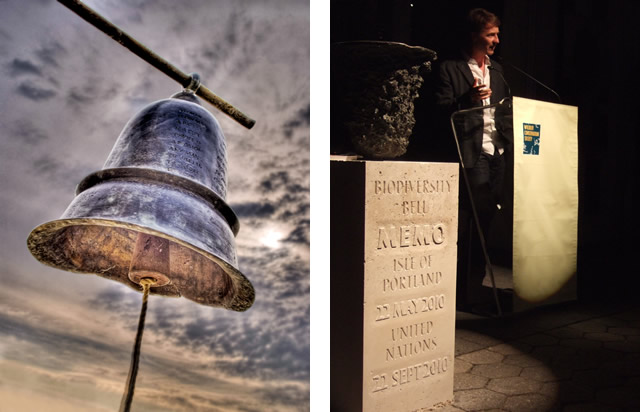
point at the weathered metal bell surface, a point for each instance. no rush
(165, 179)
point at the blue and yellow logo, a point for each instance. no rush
(531, 138)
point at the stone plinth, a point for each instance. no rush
(393, 274)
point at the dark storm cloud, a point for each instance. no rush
(85, 353)
(284, 357)
(253, 209)
(293, 207)
(277, 348)
(268, 350)
(293, 280)
(265, 268)
(231, 36)
(35, 93)
(62, 172)
(51, 53)
(165, 321)
(177, 401)
(228, 49)
(219, 51)
(300, 234)
(288, 395)
(19, 67)
(271, 343)
(294, 203)
(274, 348)
(28, 132)
(217, 333)
(76, 96)
(4, 35)
(224, 337)
(78, 347)
(189, 376)
(202, 331)
(281, 180)
(91, 92)
(297, 188)
(288, 208)
(302, 119)
(274, 180)
(260, 399)
(115, 301)
(46, 165)
(139, 4)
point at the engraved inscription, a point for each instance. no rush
(188, 156)
(411, 281)
(404, 187)
(409, 307)
(412, 263)
(420, 371)
(410, 235)
(192, 117)
(380, 382)
(413, 373)
(410, 226)
(414, 207)
(409, 349)
(188, 145)
(415, 281)
(411, 331)
(410, 340)
(185, 143)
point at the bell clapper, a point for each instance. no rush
(150, 259)
(149, 267)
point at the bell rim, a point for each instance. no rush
(242, 300)
(162, 176)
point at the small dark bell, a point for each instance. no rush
(157, 209)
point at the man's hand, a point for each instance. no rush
(479, 92)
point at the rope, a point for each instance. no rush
(127, 397)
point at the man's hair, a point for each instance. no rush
(478, 19)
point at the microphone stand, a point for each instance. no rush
(502, 61)
(474, 210)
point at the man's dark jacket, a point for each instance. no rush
(452, 93)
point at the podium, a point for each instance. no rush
(537, 224)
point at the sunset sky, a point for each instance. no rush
(66, 91)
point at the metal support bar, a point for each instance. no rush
(473, 205)
(117, 34)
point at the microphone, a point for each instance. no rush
(501, 60)
(493, 69)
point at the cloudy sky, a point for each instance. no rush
(66, 91)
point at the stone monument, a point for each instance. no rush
(393, 276)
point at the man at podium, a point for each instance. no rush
(470, 80)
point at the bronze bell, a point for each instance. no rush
(157, 210)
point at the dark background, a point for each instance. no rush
(587, 51)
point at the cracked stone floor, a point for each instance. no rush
(567, 358)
